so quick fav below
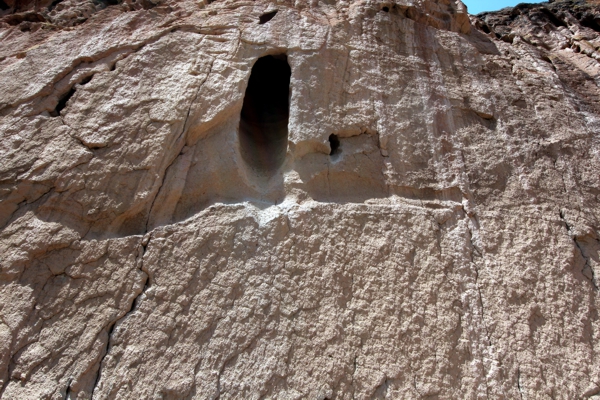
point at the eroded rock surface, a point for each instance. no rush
(419, 219)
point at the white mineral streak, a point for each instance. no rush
(448, 249)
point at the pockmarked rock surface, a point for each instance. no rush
(299, 199)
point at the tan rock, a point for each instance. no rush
(399, 200)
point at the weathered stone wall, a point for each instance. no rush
(448, 248)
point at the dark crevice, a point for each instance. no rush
(106, 349)
(263, 131)
(385, 9)
(62, 102)
(544, 57)
(591, 21)
(263, 19)
(3, 6)
(134, 305)
(29, 16)
(552, 17)
(54, 4)
(561, 214)
(149, 4)
(68, 390)
(334, 144)
(86, 80)
(587, 270)
(137, 300)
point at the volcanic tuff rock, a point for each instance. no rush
(298, 199)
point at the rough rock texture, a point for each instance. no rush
(427, 226)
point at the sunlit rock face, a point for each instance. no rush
(307, 199)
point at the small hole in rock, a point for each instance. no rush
(263, 19)
(86, 80)
(62, 103)
(385, 9)
(54, 4)
(263, 131)
(334, 143)
(3, 6)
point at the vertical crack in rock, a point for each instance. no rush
(68, 389)
(472, 224)
(145, 241)
(30, 203)
(181, 145)
(62, 102)
(263, 131)
(587, 270)
(476, 253)
(519, 382)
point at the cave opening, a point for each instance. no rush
(263, 130)
(263, 19)
(334, 144)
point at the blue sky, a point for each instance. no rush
(477, 6)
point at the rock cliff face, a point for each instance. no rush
(299, 199)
